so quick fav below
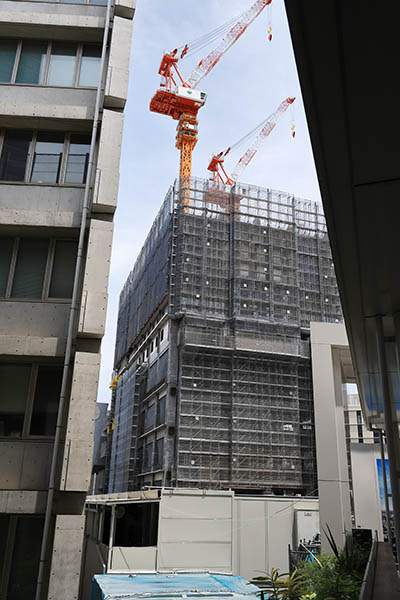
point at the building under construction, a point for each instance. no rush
(212, 383)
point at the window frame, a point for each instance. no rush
(31, 158)
(47, 274)
(46, 67)
(29, 404)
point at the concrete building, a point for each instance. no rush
(213, 376)
(168, 530)
(353, 475)
(349, 455)
(63, 85)
(358, 172)
(99, 449)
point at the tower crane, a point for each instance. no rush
(181, 100)
(216, 166)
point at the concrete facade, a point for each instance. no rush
(60, 142)
(347, 452)
(327, 343)
(359, 179)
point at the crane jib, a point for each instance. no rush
(208, 63)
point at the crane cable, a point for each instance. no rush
(202, 42)
(246, 137)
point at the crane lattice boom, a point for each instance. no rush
(264, 133)
(228, 40)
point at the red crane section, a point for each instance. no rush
(208, 63)
(216, 167)
(180, 100)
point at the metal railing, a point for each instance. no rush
(367, 586)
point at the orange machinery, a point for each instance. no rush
(181, 100)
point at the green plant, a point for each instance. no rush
(282, 586)
(328, 582)
(309, 596)
(337, 576)
(351, 560)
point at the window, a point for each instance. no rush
(150, 417)
(6, 250)
(8, 50)
(14, 155)
(31, 63)
(63, 269)
(29, 399)
(148, 457)
(23, 536)
(159, 462)
(62, 64)
(136, 524)
(105, 534)
(47, 158)
(45, 404)
(78, 159)
(44, 157)
(161, 411)
(65, 64)
(30, 268)
(37, 268)
(90, 66)
(15, 381)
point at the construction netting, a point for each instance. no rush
(243, 271)
(146, 285)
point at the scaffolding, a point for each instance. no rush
(243, 271)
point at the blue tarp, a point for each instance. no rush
(176, 585)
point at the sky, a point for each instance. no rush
(246, 86)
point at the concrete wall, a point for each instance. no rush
(333, 480)
(36, 331)
(64, 21)
(332, 367)
(107, 172)
(95, 283)
(25, 465)
(40, 205)
(116, 90)
(43, 102)
(367, 501)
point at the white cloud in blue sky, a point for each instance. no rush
(246, 86)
